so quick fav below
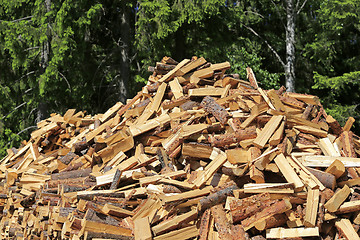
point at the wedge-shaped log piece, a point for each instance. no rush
(311, 130)
(312, 203)
(210, 106)
(204, 225)
(167, 77)
(267, 131)
(282, 233)
(196, 150)
(275, 208)
(218, 159)
(190, 66)
(337, 199)
(150, 124)
(237, 156)
(142, 229)
(176, 88)
(279, 188)
(152, 179)
(113, 210)
(328, 148)
(336, 168)
(345, 227)
(288, 172)
(174, 222)
(216, 198)
(348, 124)
(347, 207)
(230, 138)
(187, 195)
(183, 233)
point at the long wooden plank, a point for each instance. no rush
(312, 203)
(326, 161)
(291, 233)
(171, 73)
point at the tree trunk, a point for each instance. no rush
(290, 46)
(124, 60)
(42, 110)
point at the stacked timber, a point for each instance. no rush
(197, 154)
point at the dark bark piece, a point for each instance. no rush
(116, 179)
(79, 146)
(71, 174)
(211, 106)
(216, 198)
(334, 125)
(327, 179)
(68, 158)
(164, 67)
(94, 216)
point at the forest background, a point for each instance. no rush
(89, 54)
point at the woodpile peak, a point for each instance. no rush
(196, 154)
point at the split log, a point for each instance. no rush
(216, 198)
(210, 106)
(230, 138)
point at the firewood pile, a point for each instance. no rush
(197, 154)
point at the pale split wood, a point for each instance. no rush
(288, 172)
(183, 233)
(328, 148)
(142, 229)
(326, 161)
(345, 227)
(281, 233)
(312, 203)
(267, 131)
(168, 76)
(176, 88)
(217, 161)
(337, 199)
(202, 92)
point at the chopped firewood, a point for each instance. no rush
(339, 197)
(197, 153)
(345, 227)
(291, 233)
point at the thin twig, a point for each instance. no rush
(302, 6)
(267, 44)
(62, 75)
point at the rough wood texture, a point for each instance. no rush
(175, 163)
(210, 106)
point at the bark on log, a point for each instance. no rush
(72, 174)
(334, 125)
(327, 179)
(204, 225)
(230, 138)
(216, 198)
(211, 106)
(68, 158)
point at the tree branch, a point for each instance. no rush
(298, 10)
(16, 108)
(62, 75)
(18, 20)
(267, 44)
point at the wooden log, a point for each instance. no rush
(271, 222)
(349, 123)
(183, 233)
(71, 174)
(210, 106)
(326, 161)
(204, 225)
(312, 204)
(345, 227)
(222, 225)
(334, 125)
(328, 148)
(275, 208)
(339, 197)
(113, 210)
(327, 179)
(187, 195)
(230, 138)
(142, 229)
(347, 142)
(288, 172)
(174, 222)
(251, 76)
(196, 150)
(292, 233)
(267, 131)
(218, 159)
(216, 198)
(116, 179)
(348, 207)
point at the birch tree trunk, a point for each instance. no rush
(290, 46)
(42, 109)
(125, 46)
